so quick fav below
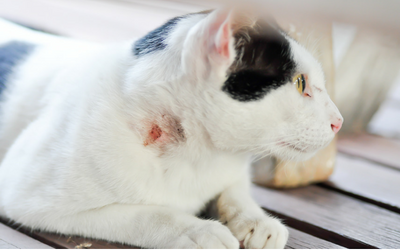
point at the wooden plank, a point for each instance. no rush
(92, 20)
(368, 181)
(61, 241)
(99, 21)
(300, 240)
(394, 94)
(6, 245)
(12, 239)
(332, 216)
(188, 7)
(71, 242)
(378, 149)
(297, 239)
(386, 121)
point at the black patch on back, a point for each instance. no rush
(11, 54)
(154, 40)
(263, 63)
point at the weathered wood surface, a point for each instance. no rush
(57, 240)
(297, 239)
(378, 149)
(70, 242)
(334, 217)
(300, 240)
(105, 21)
(12, 239)
(366, 180)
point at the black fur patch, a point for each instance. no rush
(11, 54)
(263, 63)
(154, 40)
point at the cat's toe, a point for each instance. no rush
(266, 232)
(209, 234)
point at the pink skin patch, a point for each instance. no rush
(162, 131)
(154, 134)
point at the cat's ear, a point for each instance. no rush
(209, 44)
(219, 35)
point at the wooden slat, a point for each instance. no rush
(188, 7)
(386, 121)
(300, 240)
(378, 149)
(6, 245)
(334, 217)
(369, 181)
(58, 240)
(92, 20)
(297, 239)
(12, 239)
(61, 241)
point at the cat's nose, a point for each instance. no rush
(336, 125)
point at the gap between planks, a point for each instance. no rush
(332, 216)
(297, 239)
(12, 239)
(366, 181)
(377, 149)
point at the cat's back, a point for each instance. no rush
(19, 44)
(29, 59)
(33, 65)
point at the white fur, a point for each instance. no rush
(75, 118)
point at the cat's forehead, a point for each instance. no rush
(264, 62)
(307, 64)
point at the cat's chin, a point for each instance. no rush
(295, 154)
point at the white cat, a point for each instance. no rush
(128, 142)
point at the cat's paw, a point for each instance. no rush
(258, 233)
(207, 234)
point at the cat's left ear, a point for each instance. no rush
(209, 44)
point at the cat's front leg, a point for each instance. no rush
(248, 222)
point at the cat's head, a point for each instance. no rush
(249, 85)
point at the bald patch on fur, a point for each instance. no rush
(154, 134)
(163, 131)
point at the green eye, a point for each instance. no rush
(300, 82)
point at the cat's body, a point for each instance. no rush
(130, 144)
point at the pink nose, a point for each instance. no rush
(336, 126)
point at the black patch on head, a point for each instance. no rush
(154, 40)
(12, 54)
(263, 63)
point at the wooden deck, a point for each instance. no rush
(359, 207)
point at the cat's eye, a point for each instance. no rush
(300, 82)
